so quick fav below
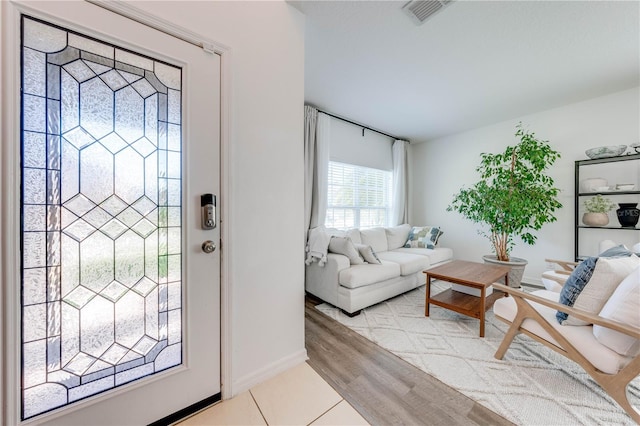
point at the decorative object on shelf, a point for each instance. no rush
(625, 187)
(605, 151)
(628, 215)
(596, 211)
(514, 195)
(594, 185)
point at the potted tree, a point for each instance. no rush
(513, 197)
(597, 209)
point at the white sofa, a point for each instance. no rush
(354, 287)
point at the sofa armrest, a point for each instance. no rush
(322, 281)
(585, 316)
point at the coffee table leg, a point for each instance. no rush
(483, 300)
(426, 301)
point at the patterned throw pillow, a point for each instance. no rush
(423, 237)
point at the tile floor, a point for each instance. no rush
(298, 396)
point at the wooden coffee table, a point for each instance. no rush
(469, 274)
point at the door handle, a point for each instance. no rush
(208, 246)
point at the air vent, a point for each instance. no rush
(421, 10)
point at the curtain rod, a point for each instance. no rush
(359, 125)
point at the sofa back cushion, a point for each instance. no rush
(376, 238)
(397, 236)
(354, 234)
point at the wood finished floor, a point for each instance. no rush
(383, 388)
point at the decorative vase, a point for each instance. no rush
(595, 219)
(628, 214)
(516, 266)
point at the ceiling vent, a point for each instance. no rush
(421, 10)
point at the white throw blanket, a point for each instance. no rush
(317, 245)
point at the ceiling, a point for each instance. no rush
(472, 64)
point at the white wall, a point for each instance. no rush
(439, 168)
(266, 174)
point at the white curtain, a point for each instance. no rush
(399, 206)
(316, 166)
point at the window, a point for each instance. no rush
(358, 197)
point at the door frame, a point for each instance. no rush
(10, 198)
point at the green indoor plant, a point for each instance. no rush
(514, 195)
(596, 211)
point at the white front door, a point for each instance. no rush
(118, 138)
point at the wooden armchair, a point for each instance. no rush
(558, 275)
(534, 315)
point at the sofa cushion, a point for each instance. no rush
(409, 263)
(436, 255)
(354, 234)
(367, 253)
(374, 237)
(623, 306)
(607, 275)
(582, 338)
(345, 247)
(361, 275)
(397, 235)
(423, 237)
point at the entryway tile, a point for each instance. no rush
(296, 397)
(240, 410)
(342, 414)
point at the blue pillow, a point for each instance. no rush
(575, 284)
(617, 251)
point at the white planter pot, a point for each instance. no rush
(516, 266)
(595, 219)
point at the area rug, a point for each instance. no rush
(532, 385)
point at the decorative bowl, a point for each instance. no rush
(605, 151)
(625, 187)
(593, 184)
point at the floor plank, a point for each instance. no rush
(383, 388)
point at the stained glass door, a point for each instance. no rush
(114, 156)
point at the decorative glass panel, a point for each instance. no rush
(101, 217)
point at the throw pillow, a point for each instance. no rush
(367, 253)
(575, 284)
(345, 247)
(397, 235)
(617, 251)
(623, 306)
(607, 275)
(423, 237)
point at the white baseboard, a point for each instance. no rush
(267, 372)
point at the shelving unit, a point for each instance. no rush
(622, 169)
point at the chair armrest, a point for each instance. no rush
(585, 316)
(564, 264)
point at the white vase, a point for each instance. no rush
(595, 219)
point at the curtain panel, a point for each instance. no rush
(399, 205)
(317, 128)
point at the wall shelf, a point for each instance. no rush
(621, 169)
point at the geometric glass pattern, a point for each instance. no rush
(101, 216)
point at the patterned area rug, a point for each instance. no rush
(533, 385)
